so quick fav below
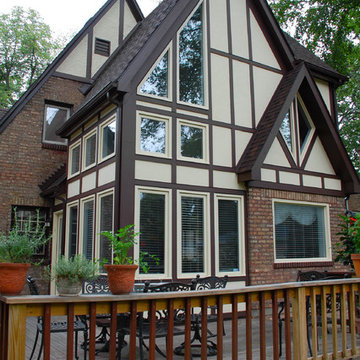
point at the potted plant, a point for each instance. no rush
(70, 273)
(17, 249)
(121, 273)
(348, 248)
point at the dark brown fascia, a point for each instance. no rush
(135, 9)
(86, 111)
(145, 58)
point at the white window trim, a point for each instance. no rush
(168, 228)
(169, 49)
(151, 116)
(205, 128)
(303, 152)
(241, 239)
(81, 225)
(100, 142)
(87, 136)
(67, 117)
(207, 255)
(71, 148)
(325, 206)
(98, 210)
(67, 239)
(205, 59)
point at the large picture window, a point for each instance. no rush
(54, 118)
(301, 231)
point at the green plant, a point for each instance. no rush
(349, 239)
(19, 246)
(74, 269)
(121, 242)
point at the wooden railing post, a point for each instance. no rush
(299, 325)
(17, 332)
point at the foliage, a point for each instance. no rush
(122, 242)
(26, 48)
(75, 269)
(331, 29)
(19, 246)
(349, 239)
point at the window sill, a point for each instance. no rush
(302, 264)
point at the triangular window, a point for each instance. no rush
(157, 82)
(286, 131)
(304, 125)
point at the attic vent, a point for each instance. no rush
(102, 47)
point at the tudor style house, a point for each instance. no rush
(205, 126)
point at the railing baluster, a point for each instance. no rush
(299, 326)
(275, 325)
(70, 332)
(248, 327)
(170, 337)
(352, 319)
(204, 325)
(234, 327)
(287, 320)
(92, 331)
(334, 323)
(187, 348)
(113, 327)
(314, 336)
(262, 326)
(219, 327)
(343, 321)
(46, 335)
(132, 341)
(152, 329)
(324, 314)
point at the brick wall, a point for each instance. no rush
(261, 242)
(354, 202)
(24, 163)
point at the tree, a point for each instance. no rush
(26, 48)
(331, 29)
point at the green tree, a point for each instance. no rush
(26, 48)
(331, 29)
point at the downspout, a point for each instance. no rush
(346, 199)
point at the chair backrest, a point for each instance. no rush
(313, 275)
(32, 286)
(210, 282)
(167, 287)
(97, 286)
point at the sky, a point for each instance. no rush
(67, 17)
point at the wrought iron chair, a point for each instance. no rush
(143, 322)
(55, 326)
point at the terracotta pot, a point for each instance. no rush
(356, 261)
(121, 278)
(12, 278)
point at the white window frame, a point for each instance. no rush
(68, 206)
(327, 230)
(205, 59)
(207, 254)
(100, 142)
(100, 195)
(168, 228)
(205, 149)
(152, 116)
(303, 152)
(71, 148)
(84, 145)
(44, 131)
(81, 228)
(169, 49)
(241, 231)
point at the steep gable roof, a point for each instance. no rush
(50, 70)
(297, 80)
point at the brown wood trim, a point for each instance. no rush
(70, 332)
(302, 265)
(89, 53)
(286, 150)
(121, 22)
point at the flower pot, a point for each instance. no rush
(67, 288)
(12, 278)
(121, 278)
(356, 262)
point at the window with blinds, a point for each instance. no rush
(105, 224)
(192, 234)
(89, 150)
(152, 230)
(88, 229)
(72, 230)
(300, 231)
(228, 235)
(75, 159)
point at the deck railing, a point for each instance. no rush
(318, 317)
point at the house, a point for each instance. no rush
(205, 126)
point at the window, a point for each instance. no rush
(304, 125)
(107, 139)
(193, 234)
(89, 143)
(54, 118)
(87, 218)
(301, 231)
(105, 216)
(102, 47)
(191, 60)
(229, 235)
(153, 135)
(157, 83)
(193, 142)
(72, 229)
(74, 159)
(286, 130)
